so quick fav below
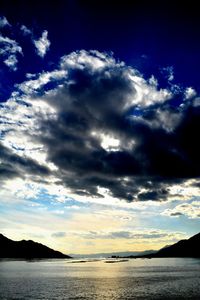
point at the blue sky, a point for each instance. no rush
(99, 123)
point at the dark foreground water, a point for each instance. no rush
(133, 279)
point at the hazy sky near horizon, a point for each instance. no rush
(99, 123)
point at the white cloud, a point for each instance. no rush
(184, 191)
(190, 93)
(4, 22)
(190, 210)
(9, 46)
(42, 45)
(40, 80)
(25, 30)
(169, 73)
(95, 61)
(9, 51)
(146, 92)
(108, 143)
(11, 62)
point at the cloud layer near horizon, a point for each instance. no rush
(96, 127)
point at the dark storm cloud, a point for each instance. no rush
(12, 165)
(155, 149)
(111, 129)
(153, 195)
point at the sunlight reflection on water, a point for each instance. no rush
(90, 280)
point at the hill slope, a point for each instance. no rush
(26, 249)
(183, 248)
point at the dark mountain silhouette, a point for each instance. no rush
(184, 248)
(26, 249)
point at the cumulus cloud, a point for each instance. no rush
(42, 44)
(9, 51)
(102, 130)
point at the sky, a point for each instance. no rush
(99, 123)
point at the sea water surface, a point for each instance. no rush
(158, 278)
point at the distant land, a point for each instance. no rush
(109, 254)
(26, 250)
(183, 248)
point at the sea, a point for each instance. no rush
(100, 279)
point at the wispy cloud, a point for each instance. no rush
(168, 72)
(42, 44)
(4, 22)
(59, 234)
(25, 30)
(190, 210)
(9, 52)
(11, 62)
(130, 234)
(10, 48)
